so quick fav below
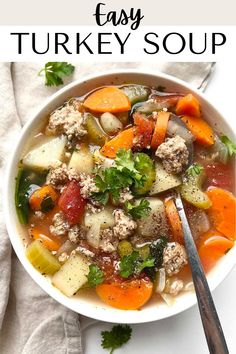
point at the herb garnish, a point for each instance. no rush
(156, 252)
(133, 264)
(138, 211)
(229, 144)
(115, 338)
(127, 172)
(95, 276)
(55, 71)
(195, 169)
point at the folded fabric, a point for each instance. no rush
(31, 321)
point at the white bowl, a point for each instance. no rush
(87, 304)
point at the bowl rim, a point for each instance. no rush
(97, 312)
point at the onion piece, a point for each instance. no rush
(170, 300)
(66, 247)
(217, 152)
(93, 235)
(160, 280)
(199, 222)
(177, 127)
(189, 286)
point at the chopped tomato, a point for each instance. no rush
(143, 130)
(72, 203)
(220, 175)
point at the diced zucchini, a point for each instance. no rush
(164, 180)
(82, 161)
(47, 155)
(26, 182)
(155, 224)
(136, 93)
(191, 191)
(41, 258)
(72, 275)
(105, 218)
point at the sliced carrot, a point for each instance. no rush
(174, 220)
(200, 129)
(129, 295)
(160, 129)
(212, 247)
(50, 243)
(123, 140)
(108, 99)
(222, 212)
(188, 105)
(40, 194)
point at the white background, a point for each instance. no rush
(183, 333)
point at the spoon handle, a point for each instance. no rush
(210, 320)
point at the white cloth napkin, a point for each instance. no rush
(30, 321)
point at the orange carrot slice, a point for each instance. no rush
(200, 129)
(188, 105)
(40, 194)
(50, 243)
(174, 220)
(123, 140)
(212, 247)
(160, 129)
(108, 99)
(129, 295)
(222, 212)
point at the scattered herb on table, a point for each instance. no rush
(55, 71)
(115, 338)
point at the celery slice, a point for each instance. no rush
(95, 133)
(41, 258)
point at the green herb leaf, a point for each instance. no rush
(138, 211)
(156, 252)
(229, 144)
(115, 338)
(55, 71)
(95, 275)
(133, 264)
(47, 204)
(195, 169)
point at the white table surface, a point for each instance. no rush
(183, 333)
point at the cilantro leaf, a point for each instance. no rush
(156, 252)
(133, 264)
(195, 169)
(55, 71)
(229, 144)
(95, 275)
(138, 211)
(115, 338)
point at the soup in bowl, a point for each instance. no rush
(92, 213)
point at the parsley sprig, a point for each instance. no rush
(55, 71)
(125, 173)
(133, 264)
(95, 276)
(140, 210)
(229, 144)
(195, 169)
(115, 338)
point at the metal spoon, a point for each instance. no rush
(210, 320)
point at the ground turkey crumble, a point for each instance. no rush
(87, 185)
(67, 120)
(107, 241)
(124, 225)
(125, 196)
(174, 258)
(59, 225)
(59, 176)
(174, 154)
(175, 286)
(76, 233)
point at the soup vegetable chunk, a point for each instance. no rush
(96, 194)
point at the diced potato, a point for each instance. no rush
(93, 235)
(155, 223)
(164, 180)
(105, 218)
(82, 161)
(47, 155)
(72, 275)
